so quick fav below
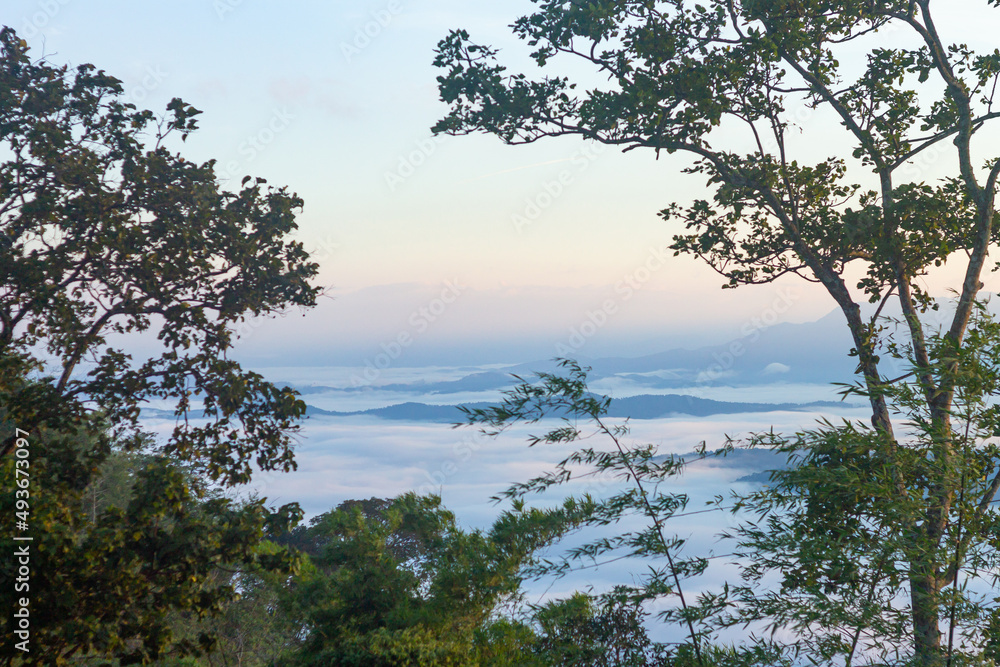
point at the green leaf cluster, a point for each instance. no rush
(399, 583)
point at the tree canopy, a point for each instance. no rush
(398, 583)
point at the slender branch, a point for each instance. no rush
(921, 356)
(69, 365)
(960, 95)
(927, 142)
(659, 531)
(845, 114)
(881, 305)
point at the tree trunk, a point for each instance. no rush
(926, 628)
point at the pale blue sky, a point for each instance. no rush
(297, 93)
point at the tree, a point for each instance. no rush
(312, 540)
(399, 583)
(689, 77)
(105, 235)
(105, 231)
(829, 524)
(607, 631)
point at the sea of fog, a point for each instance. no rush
(345, 457)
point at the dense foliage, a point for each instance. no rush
(400, 583)
(116, 563)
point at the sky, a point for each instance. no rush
(506, 249)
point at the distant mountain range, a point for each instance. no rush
(810, 352)
(480, 381)
(646, 406)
